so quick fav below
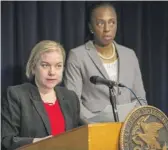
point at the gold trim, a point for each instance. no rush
(121, 144)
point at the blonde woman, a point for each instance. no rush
(39, 109)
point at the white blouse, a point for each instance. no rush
(111, 70)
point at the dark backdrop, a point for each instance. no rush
(142, 26)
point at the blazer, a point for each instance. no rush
(84, 62)
(24, 116)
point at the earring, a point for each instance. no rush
(91, 31)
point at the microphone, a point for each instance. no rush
(109, 83)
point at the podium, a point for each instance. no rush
(139, 131)
(98, 136)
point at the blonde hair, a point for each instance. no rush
(38, 49)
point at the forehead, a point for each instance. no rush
(52, 56)
(103, 11)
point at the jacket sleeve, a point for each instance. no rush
(77, 110)
(73, 81)
(11, 122)
(138, 86)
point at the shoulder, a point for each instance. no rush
(21, 91)
(125, 52)
(78, 49)
(66, 92)
(20, 87)
(15, 93)
(82, 49)
(69, 95)
(124, 49)
(76, 55)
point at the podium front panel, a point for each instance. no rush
(104, 136)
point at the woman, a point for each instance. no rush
(39, 109)
(103, 57)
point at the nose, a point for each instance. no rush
(106, 27)
(52, 71)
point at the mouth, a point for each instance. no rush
(51, 80)
(107, 38)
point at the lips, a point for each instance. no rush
(51, 80)
(107, 38)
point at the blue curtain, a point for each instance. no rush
(142, 26)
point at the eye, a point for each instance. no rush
(44, 65)
(59, 66)
(112, 22)
(100, 23)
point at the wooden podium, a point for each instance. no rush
(98, 136)
(139, 131)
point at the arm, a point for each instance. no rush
(138, 86)
(77, 120)
(73, 81)
(11, 122)
(11, 112)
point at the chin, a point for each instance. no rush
(108, 42)
(50, 86)
(105, 43)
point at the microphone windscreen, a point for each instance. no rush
(93, 79)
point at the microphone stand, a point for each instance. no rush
(113, 103)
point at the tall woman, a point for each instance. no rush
(102, 56)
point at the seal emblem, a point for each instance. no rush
(145, 128)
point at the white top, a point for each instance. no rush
(111, 70)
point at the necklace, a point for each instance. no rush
(110, 56)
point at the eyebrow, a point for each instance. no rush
(49, 63)
(44, 62)
(103, 19)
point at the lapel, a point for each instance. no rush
(119, 61)
(62, 103)
(38, 104)
(120, 64)
(95, 58)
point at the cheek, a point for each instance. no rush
(98, 34)
(41, 73)
(98, 30)
(114, 29)
(60, 73)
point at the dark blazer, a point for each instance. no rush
(24, 116)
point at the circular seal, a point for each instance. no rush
(145, 128)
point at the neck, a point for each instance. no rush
(107, 50)
(42, 89)
(45, 91)
(103, 46)
(49, 97)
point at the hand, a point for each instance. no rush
(40, 139)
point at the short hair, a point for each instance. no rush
(40, 48)
(95, 5)
(89, 12)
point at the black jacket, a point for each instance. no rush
(24, 116)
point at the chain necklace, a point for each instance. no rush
(106, 58)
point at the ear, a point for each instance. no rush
(90, 28)
(33, 70)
